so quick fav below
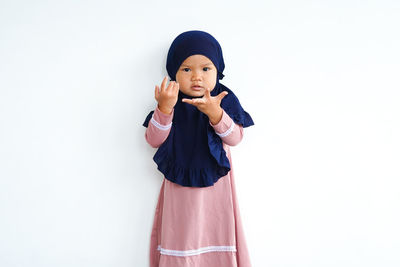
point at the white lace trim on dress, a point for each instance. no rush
(227, 132)
(160, 126)
(182, 253)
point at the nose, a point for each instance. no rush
(196, 76)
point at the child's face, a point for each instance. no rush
(196, 70)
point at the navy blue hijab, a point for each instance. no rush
(192, 155)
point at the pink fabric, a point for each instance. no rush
(223, 125)
(155, 136)
(191, 218)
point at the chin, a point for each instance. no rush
(197, 94)
(194, 93)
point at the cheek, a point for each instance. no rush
(213, 77)
(180, 76)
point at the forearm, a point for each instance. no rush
(230, 132)
(158, 128)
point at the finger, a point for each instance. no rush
(195, 102)
(198, 101)
(207, 93)
(170, 85)
(173, 88)
(163, 83)
(176, 89)
(222, 95)
(156, 92)
(189, 101)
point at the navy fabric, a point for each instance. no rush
(193, 155)
(194, 43)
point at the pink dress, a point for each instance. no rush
(197, 226)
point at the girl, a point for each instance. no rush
(197, 221)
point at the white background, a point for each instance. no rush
(317, 175)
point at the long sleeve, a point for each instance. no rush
(230, 132)
(158, 128)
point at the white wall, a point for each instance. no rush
(317, 176)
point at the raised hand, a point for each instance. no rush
(166, 96)
(209, 105)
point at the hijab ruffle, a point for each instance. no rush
(193, 155)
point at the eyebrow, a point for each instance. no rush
(201, 65)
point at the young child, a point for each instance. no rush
(197, 221)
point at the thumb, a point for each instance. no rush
(222, 95)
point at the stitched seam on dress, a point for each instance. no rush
(160, 126)
(227, 131)
(182, 253)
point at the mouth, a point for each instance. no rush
(197, 88)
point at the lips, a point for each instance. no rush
(197, 88)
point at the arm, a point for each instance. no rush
(230, 132)
(158, 128)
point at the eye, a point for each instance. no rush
(205, 68)
(184, 69)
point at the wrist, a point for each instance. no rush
(164, 109)
(216, 116)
